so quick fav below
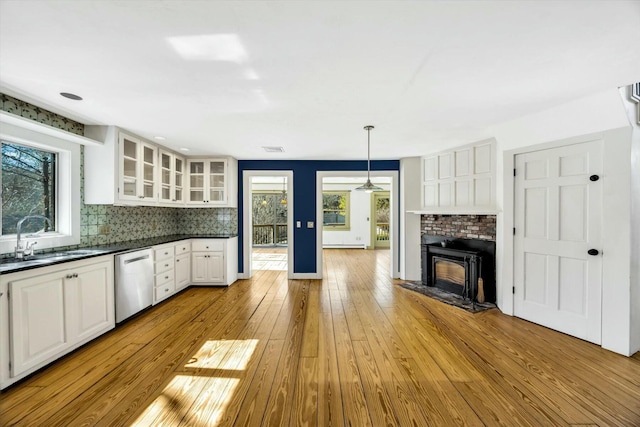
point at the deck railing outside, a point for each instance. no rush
(269, 234)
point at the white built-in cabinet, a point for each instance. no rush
(214, 261)
(207, 182)
(172, 178)
(461, 180)
(53, 310)
(138, 164)
(127, 170)
(172, 269)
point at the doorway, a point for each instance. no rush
(380, 219)
(267, 243)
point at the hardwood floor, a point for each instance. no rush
(353, 349)
(269, 258)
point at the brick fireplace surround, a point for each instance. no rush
(482, 227)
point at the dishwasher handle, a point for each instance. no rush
(140, 258)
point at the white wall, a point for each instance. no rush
(410, 188)
(632, 114)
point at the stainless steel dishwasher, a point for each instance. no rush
(134, 283)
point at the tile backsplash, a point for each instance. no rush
(107, 224)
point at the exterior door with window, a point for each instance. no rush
(558, 219)
(380, 214)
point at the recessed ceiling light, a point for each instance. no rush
(184, 149)
(71, 96)
(273, 149)
(159, 138)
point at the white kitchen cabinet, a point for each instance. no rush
(50, 311)
(214, 261)
(129, 171)
(212, 182)
(172, 171)
(138, 164)
(164, 269)
(182, 265)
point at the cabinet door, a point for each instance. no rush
(217, 181)
(166, 176)
(89, 297)
(183, 271)
(178, 180)
(137, 177)
(37, 312)
(130, 164)
(197, 182)
(199, 267)
(215, 267)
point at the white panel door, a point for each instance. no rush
(38, 321)
(558, 219)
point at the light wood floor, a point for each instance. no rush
(353, 349)
(269, 258)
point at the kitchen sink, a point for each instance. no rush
(48, 258)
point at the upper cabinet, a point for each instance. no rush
(127, 170)
(138, 164)
(460, 180)
(172, 178)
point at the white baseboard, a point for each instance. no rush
(307, 276)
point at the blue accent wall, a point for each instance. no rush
(304, 200)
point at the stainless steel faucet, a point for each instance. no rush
(27, 250)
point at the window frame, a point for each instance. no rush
(68, 177)
(347, 220)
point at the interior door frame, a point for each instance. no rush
(394, 229)
(373, 229)
(247, 218)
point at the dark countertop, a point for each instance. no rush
(10, 265)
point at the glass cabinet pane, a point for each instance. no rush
(148, 155)
(197, 181)
(217, 181)
(178, 165)
(216, 195)
(130, 149)
(196, 195)
(165, 161)
(216, 167)
(129, 168)
(129, 188)
(197, 167)
(179, 180)
(178, 194)
(166, 193)
(148, 172)
(148, 190)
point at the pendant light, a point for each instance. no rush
(368, 187)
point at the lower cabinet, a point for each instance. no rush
(183, 271)
(214, 261)
(172, 269)
(208, 267)
(54, 310)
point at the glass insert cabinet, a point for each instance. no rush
(138, 163)
(207, 182)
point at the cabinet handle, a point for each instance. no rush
(75, 275)
(177, 260)
(69, 276)
(166, 265)
(166, 290)
(166, 253)
(140, 197)
(166, 277)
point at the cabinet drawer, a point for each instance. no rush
(163, 265)
(164, 291)
(182, 247)
(163, 278)
(205, 245)
(163, 253)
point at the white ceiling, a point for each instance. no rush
(230, 77)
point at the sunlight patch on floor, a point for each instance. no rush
(269, 261)
(199, 396)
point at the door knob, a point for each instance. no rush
(593, 252)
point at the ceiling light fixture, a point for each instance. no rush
(368, 187)
(71, 96)
(273, 149)
(184, 149)
(159, 138)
